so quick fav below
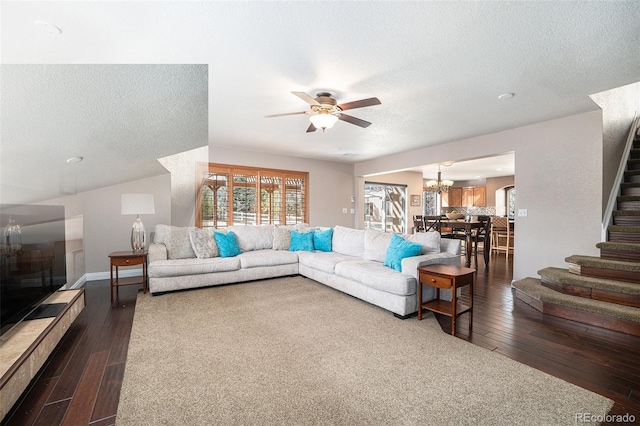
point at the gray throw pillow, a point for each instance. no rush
(281, 238)
(203, 243)
(178, 243)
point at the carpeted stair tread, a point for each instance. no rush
(533, 288)
(597, 262)
(632, 247)
(626, 212)
(624, 228)
(563, 276)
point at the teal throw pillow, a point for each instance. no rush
(322, 239)
(227, 244)
(399, 249)
(301, 241)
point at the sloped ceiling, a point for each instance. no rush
(437, 67)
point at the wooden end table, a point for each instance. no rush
(446, 277)
(128, 258)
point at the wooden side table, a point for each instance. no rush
(446, 277)
(128, 258)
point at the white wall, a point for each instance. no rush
(331, 184)
(493, 184)
(558, 176)
(619, 107)
(105, 229)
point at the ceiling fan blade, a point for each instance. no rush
(311, 128)
(283, 114)
(354, 120)
(308, 99)
(361, 103)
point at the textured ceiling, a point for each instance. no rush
(437, 67)
(119, 118)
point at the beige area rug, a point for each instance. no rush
(293, 351)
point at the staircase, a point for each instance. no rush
(602, 291)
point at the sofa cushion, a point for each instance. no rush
(179, 267)
(178, 244)
(322, 239)
(375, 275)
(253, 237)
(399, 249)
(301, 241)
(203, 243)
(227, 244)
(258, 258)
(323, 261)
(161, 231)
(348, 241)
(430, 241)
(376, 244)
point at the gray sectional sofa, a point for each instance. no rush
(185, 258)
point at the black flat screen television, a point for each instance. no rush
(32, 259)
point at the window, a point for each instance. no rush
(236, 195)
(385, 206)
(511, 202)
(430, 207)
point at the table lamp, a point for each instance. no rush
(138, 204)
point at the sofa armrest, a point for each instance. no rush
(411, 264)
(157, 252)
(451, 245)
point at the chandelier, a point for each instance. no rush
(439, 185)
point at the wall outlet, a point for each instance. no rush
(344, 210)
(353, 211)
(522, 212)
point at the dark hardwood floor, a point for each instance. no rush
(80, 383)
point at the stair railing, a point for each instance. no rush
(615, 190)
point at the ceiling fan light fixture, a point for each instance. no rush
(323, 120)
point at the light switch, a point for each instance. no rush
(353, 211)
(344, 210)
(522, 212)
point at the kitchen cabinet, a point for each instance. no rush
(453, 198)
(475, 196)
(471, 196)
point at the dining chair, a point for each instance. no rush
(501, 235)
(418, 223)
(432, 223)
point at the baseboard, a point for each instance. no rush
(95, 276)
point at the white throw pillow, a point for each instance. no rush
(376, 244)
(430, 241)
(348, 241)
(203, 243)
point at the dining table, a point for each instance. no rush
(470, 235)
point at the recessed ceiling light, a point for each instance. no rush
(507, 95)
(47, 27)
(74, 160)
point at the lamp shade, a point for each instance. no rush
(137, 204)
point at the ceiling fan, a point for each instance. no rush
(325, 111)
